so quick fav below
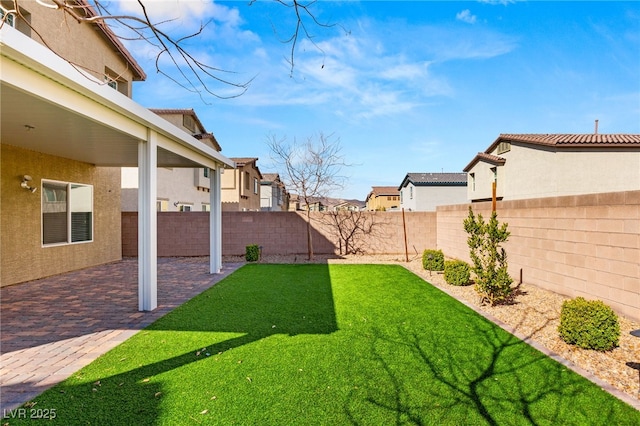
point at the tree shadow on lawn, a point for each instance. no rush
(247, 306)
(473, 372)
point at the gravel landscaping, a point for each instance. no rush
(534, 316)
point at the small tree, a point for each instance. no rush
(493, 282)
(312, 169)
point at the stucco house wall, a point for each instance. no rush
(179, 189)
(241, 186)
(556, 166)
(176, 188)
(81, 44)
(24, 257)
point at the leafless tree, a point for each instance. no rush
(312, 169)
(192, 74)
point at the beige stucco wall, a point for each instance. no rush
(23, 257)
(235, 195)
(175, 185)
(542, 172)
(383, 202)
(76, 42)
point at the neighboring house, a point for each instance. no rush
(179, 189)
(426, 191)
(66, 131)
(273, 194)
(348, 205)
(548, 165)
(294, 202)
(315, 206)
(241, 187)
(383, 198)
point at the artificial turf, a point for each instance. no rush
(328, 345)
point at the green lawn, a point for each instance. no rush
(329, 345)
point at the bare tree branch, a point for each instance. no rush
(193, 74)
(312, 169)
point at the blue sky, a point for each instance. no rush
(416, 86)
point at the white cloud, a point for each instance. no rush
(466, 16)
(502, 2)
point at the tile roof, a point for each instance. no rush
(241, 161)
(435, 179)
(270, 177)
(571, 139)
(489, 158)
(385, 190)
(559, 141)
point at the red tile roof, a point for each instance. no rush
(489, 158)
(559, 141)
(571, 140)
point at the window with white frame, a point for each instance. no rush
(67, 213)
(7, 17)
(255, 185)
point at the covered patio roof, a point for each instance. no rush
(50, 106)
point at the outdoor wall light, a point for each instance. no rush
(25, 183)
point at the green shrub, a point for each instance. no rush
(589, 324)
(457, 272)
(252, 253)
(493, 283)
(433, 260)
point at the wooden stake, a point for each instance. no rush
(493, 196)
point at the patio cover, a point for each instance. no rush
(41, 95)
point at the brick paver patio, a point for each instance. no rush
(52, 327)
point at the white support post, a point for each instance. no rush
(147, 223)
(215, 221)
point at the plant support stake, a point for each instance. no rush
(406, 249)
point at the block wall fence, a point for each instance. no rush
(585, 245)
(187, 234)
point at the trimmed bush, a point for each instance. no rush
(589, 324)
(252, 253)
(433, 260)
(457, 272)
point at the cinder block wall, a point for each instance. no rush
(586, 245)
(187, 234)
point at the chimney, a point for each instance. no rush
(596, 130)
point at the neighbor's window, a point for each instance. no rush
(67, 213)
(411, 192)
(247, 182)
(10, 19)
(473, 181)
(255, 185)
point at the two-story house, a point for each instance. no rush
(383, 198)
(241, 186)
(68, 125)
(548, 165)
(273, 193)
(179, 189)
(426, 191)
